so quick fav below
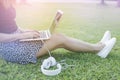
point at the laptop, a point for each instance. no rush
(46, 34)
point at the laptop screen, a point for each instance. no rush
(55, 21)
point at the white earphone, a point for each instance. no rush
(47, 63)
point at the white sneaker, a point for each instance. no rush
(106, 37)
(108, 47)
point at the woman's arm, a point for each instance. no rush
(9, 37)
(19, 36)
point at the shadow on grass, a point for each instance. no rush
(83, 56)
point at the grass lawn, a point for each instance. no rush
(82, 21)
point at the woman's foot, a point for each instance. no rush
(106, 37)
(108, 47)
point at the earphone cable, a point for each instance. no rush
(46, 48)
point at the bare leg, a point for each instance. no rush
(61, 41)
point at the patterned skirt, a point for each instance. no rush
(20, 52)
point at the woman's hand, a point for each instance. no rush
(19, 36)
(29, 35)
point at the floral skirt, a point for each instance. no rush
(20, 52)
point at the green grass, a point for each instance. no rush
(82, 21)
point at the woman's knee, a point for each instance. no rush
(59, 38)
(58, 35)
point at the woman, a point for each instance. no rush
(11, 49)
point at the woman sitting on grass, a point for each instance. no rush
(12, 50)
